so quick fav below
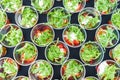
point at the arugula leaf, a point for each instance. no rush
(42, 5)
(115, 19)
(3, 18)
(90, 52)
(72, 68)
(11, 5)
(105, 6)
(58, 17)
(28, 50)
(42, 68)
(29, 17)
(44, 38)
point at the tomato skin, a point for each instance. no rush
(67, 41)
(76, 42)
(63, 69)
(60, 45)
(10, 61)
(28, 61)
(105, 12)
(79, 7)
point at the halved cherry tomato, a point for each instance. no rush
(78, 74)
(76, 42)
(37, 33)
(8, 21)
(60, 45)
(85, 14)
(71, 78)
(79, 7)
(10, 61)
(63, 69)
(92, 61)
(68, 41)
(105, 12)
(101, 31)
(29, 60)
(109, 22)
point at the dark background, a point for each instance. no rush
(74, 52)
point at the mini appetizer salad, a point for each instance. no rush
(74, 6)
(108, 70)
(105, 6)
(11, 6)
(91, 53)
(3, 18)
(58, 17)
(115, 19)
(42, 5)
(57, 52)
(3, 50)
(115, 53)
(25, 53)
(11, 35)
(8, 68)
(21, 78)
(41, 70)
(90, 78)
(26, 17)
(74, 35)
(72, 70)
(107, 35)
(89, 18)
(42, 34)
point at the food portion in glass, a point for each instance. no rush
(89, 18)
(25, 53)
(11, 6)
(72, 70)
(57, 52)
(41, 70)
(91, 53)
(21, 78)
(105, 6)
(11, 35)
(42, 34)
(26, 17)
(74, 6)
(74, 35)
(8, 68)
(108, 70)
(3, 50)
(58, 17)
(42, 5)
(107, 35)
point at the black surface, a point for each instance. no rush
(74, 52)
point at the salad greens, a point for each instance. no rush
(42, 5)
(89, 18)
(90, 52)
(42, 69)
(110, 72)
(105, 6)
(42, 35)
(3, 18)
(58, 17)
(73, 70)
(74, 36)
(11, 5)
(11, 35)
(73, 5)
(29, 17)
(25, 54)
(56, 52)
(9, 69)
(116, 53)
(107, 37)
(115, 19)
